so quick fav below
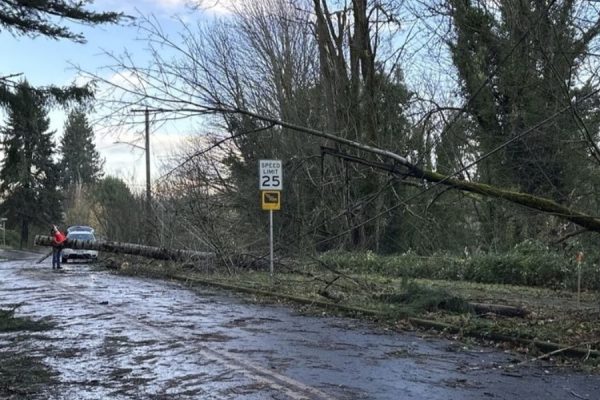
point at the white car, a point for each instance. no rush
(71, 254)
(82, 228)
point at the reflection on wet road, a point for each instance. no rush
(130, 338)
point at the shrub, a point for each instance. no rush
(416, 299)
(529, 263)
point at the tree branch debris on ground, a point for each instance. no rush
(448, 307)
(527, 317)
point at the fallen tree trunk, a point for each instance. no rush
(158, 253)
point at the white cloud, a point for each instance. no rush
(211, 6)
(129, 162)
(219, 6)
(171, 4)
(127, 80)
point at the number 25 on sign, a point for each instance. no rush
(270, 175)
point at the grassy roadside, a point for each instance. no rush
(21, 375)
(553, 315)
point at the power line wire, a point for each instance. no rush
(472, 164)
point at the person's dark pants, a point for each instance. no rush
(56, 257)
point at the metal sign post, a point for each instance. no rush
(579, 259)
(270, 174)
(271, 243)
(3, 221)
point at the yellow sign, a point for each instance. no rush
(270, 200)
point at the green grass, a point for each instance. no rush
(554, 313)
(21, 375)
(417, 299)
(10, 323)
(529, 263)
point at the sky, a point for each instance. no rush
(44, 61)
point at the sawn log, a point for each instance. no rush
(159, 253)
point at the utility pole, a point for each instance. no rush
(148, 191)
(147, 112)
(146, 148)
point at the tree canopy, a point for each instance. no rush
(512, 115)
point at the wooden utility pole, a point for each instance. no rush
(146, 148)
(148, 191)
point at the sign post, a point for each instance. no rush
(3, 221)
(270, 184)
(579, 259)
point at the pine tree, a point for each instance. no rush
(118, 212)
(80, 163)
(46, 18)
(37, 17)
(28, 174)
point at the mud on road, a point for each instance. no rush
(128, 338)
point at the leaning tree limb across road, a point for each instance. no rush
(159, 253)
(408, 168)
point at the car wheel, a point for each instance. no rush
(64, 260)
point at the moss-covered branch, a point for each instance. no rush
(534, 202)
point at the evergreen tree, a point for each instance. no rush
(46, 18)
(41, 17)
(28, 174)
(80, 161)
(519, 63)
(118, 212)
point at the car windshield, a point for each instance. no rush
(81, 236)
(80, 228)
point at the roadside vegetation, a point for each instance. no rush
(22, 376)
(10, 323)
(529, 263)
(425, 190)
(553, 320)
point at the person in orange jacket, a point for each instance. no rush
(58, 239)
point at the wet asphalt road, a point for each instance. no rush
(131, 338)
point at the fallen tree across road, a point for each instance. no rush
(158, 253)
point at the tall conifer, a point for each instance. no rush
(80, 161)
(28, 175)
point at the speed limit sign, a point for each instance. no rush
(270, 174)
